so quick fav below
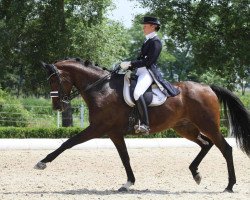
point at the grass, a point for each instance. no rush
(41, 113)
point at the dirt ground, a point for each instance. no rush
(161, 173)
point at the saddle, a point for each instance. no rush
(153, 96)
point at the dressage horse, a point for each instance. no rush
(194, 114)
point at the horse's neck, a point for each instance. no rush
(82, 78)
(90, 78)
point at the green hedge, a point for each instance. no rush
(17, 132)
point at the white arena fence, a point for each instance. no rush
(45, 116)
(41, 116)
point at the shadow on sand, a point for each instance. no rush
(115, 192)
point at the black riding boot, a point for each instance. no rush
(143, 126)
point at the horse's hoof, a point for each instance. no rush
(197, 178)
(40, 165)
(228, 190)
(123, 189)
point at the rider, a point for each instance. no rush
(147, 71)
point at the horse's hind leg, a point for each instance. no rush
(212, 136)
(192, 133)
(227, 152)
(212, 131)
(205, 145)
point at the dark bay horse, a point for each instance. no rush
(194, 114)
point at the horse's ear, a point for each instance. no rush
(47, 67)
(43, 64)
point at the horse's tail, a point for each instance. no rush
(239, 117)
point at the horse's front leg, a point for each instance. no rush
(120, 145)
(85, 135)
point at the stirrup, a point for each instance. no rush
(142, 128)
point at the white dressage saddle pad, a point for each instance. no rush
(158, 97)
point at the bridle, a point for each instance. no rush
(61, 94)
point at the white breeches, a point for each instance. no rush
(143, 82)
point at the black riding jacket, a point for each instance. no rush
(150, 52)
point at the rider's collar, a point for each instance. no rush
(151, 35)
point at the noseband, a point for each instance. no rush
(61, 94)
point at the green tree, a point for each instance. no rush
(136, 38)
(48, 30)
(218, 32)
(13, 15)
(30, 31)
(104, 43)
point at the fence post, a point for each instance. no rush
(58, 119)
(82, 115)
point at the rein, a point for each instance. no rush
(101, 80)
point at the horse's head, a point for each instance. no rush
(60, 85)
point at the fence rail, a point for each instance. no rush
(40, 116)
